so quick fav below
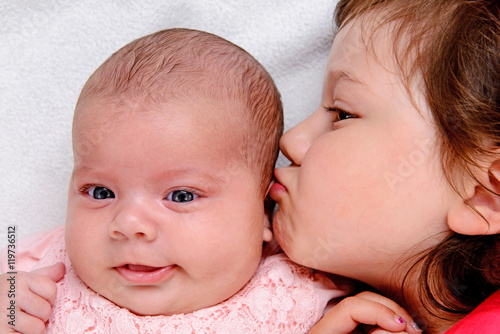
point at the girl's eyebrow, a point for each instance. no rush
(342, 75)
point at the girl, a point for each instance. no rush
(395, 178)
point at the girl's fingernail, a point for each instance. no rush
(398, 319)
(415, 326)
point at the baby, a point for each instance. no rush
(175, 138)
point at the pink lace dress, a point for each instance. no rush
(282, 297)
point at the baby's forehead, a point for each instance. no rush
(201, 107)
(221, 122)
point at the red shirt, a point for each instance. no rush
(485, 318)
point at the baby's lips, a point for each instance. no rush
(145, 275)
(141, 268)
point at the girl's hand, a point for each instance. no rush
(35, 292)
(380, 314)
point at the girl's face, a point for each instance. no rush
(365, 189)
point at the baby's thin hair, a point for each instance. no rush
(185, 64)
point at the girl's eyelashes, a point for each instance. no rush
(181, 196)
(98, 192)
(340, 114)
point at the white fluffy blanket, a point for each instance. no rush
(49, 48)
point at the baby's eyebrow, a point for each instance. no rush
(170, 173)
(81, 169)
(193, 171)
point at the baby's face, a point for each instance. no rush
(160, 220)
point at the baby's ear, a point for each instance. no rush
(269, 206)
(267, 234)
(479, 213)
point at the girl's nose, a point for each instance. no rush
(134, 220)
(296, 141)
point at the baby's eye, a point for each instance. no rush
(100, 193)
(181, 196)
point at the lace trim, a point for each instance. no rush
(280, 298)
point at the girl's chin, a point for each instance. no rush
(280, 235)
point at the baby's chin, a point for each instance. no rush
(148, 301)
(145, 306)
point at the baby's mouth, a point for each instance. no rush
(139, 274)
(141, 268)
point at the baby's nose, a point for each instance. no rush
(133, 220)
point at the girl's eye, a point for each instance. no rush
(100, 193)
(340, 114)
(181, 196)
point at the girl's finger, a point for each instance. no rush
(412, 327)
(382, 331)
(352, 311)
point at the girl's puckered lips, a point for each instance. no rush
(143, 275)
(276, 189)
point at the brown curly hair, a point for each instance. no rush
(454, 46)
